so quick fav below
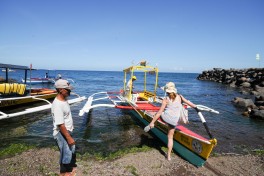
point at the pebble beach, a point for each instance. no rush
(44, 161)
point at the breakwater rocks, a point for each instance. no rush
(249, 80)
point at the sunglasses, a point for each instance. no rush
(168, 93)
(68, 90)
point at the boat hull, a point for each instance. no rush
(39, 81)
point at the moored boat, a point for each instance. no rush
(145, 103)
(13, 94)
(38, 81)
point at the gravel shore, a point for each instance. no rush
(44, 161)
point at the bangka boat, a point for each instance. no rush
(39, 81)
(14, 94)
(144, 105)
(49, 80)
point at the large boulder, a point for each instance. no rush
(259, 89)
(245, 85)
(257, 114)
(243, 102)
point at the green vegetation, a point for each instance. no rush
(14, 149)
(258, 151)
(114, 155)
(132, 170)
(213, 154)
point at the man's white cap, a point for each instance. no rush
(63, 84)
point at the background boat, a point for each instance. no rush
(39, 81)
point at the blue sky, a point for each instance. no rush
(175, 35)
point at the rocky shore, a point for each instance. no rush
(248, 81)
(44, 161)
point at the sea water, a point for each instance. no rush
(106, 130)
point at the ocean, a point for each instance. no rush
(107, 130)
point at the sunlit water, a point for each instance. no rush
(106, 130)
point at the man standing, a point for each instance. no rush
(63, 127)
(130, 84)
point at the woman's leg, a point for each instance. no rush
(155, 118)
(170, 141)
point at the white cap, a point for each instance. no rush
(63, 84)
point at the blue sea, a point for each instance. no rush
(106, 130)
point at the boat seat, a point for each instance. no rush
(148, 96)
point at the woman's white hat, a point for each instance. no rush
(170, 87)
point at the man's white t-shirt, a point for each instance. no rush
(61, 114)
(129, 84)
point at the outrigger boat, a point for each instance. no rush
(39, 81)
(16, 94)
(49, 80)
(144, 104)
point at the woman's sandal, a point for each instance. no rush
(147, 128)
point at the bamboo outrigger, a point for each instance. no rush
(144, 104)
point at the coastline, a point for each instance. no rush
(44, 161)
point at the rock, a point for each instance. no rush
(261, 107)
(243, 79)
(250, 80)
(258, 114)
(259, 89)
(243, 102)
(233, 84)
(260, 97)
(245, 84)
(259, 103)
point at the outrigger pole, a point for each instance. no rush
(29, 80)
(204, 108)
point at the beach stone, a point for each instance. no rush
(233, 84)
(259, 89)
(246, 84)
(243, 79)
(243, 102)
(261, 107)
(253, 92)
(260, 97)
(259, 103)
(258, 114)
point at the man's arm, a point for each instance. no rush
(66, 134)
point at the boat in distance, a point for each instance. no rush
(145, 104)
(38, 81)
